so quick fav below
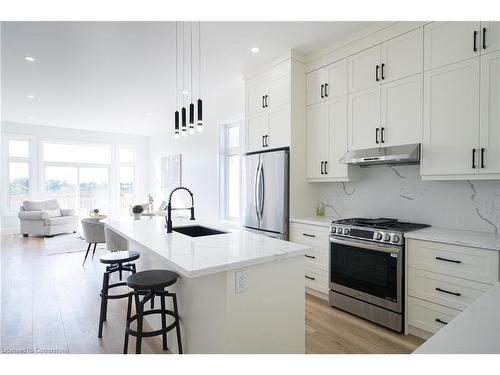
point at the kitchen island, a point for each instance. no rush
(238, 292)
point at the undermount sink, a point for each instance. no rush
(197, 231)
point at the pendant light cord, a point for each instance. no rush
(199, 59)
(183, 63)
(176, 72)
(191, 60)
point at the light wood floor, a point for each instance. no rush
(51, 303)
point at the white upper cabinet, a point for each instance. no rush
(364, 69)
(268, 114)
(364, 119)
(317, 140)
(489, 141)
(402, 56)
(337, 137)
(401, 111)
(326, 83)
(255, 98)
(490, 36)
(451, 119)
(449, 42)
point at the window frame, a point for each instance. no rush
(7, 159)
(225, 152)
(120, 164)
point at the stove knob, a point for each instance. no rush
(387, 237)
(346, 231)
(378, 237)
(334, 229)
(339, 230)
(395, 238)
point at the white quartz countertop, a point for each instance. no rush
(200, 256)
(476, 330)
(481, 240)
(322, 221)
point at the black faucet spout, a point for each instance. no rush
(169, 207)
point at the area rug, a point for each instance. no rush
(68, 243)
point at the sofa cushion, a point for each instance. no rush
(61, 220)
(51, 204)
(53, 213)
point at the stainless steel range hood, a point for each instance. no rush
(403, 154)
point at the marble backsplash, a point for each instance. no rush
(400, 193)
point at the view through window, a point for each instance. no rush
(230, 184)
(18, 173)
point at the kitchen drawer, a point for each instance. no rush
(316, 279)
(445, 290)
(429, 316)
(316, 258)
(459, 261)
(312, 235)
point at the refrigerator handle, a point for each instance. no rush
(256, 191)
(261, 191)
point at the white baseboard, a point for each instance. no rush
(6, 231)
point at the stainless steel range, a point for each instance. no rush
(367, 268)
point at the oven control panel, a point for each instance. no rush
(375, 235)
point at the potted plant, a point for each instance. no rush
(94, 212)
(137, 211)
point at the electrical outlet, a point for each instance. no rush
(241, 281)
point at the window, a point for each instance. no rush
(18, 173)
(230, 172)
(126, 156)
(78, 176)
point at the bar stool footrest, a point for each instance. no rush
(156, 332)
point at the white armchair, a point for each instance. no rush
(46, 218)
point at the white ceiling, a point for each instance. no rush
(108, 75)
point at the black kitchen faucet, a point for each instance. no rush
(169, 207)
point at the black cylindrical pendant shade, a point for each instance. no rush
(183, 119)
(191, 114)
(176, 121)
(200, 112)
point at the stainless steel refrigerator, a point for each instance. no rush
(265, 204)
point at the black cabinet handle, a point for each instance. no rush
(309, 235)
(473, 158)
(484, 37)
(382, 71)
(440, 321)
(310, 278)
(263, 106)
(376, 73)
(310, 256)
(265, 100)
(382, 140)
(326, 90)
(449, 260)
(482, 157)
(376, 135)
(448, 292)
(266, 137)
(322, 94)
(326, 167)
(322, 163)
(263, 144)
(475, 40)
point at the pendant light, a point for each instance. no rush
(183, 111)
(176, 119)
(191, 106)
(200, 104)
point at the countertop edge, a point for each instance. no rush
(323, 222)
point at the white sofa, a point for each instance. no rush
(46, 218)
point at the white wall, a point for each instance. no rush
(36, 133)
(200, 166)
(399, 192)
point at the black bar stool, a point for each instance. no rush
(116, 262)
(149, 284)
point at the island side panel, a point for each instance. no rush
(269, 317)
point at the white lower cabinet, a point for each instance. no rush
(442, 280)
(316, 258)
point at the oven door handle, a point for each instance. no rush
(369, 246)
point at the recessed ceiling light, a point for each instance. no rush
(148, 114)
(32, 117)
(29, 58)
(185, 92)
(31, 96)
(254, 49)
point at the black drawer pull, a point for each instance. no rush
(310, 256)
(484, 37)
(376, 73)
(308, 235)
(482, 157)
(449, 260)
(448, 292)
(475, 40)
(440, 321)
(310, 278)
